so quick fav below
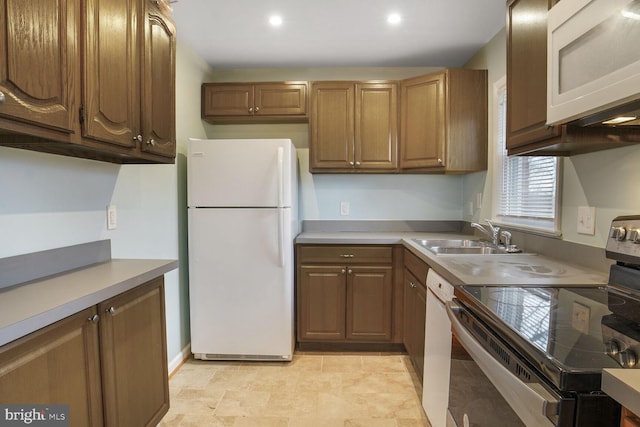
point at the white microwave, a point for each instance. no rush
(593, 58)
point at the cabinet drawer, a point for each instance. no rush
(416, 266)
(345, 254)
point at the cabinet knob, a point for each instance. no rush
(94, 319)
(412, 285)
(138, 138)
(1, 98)
(357, 163)
(343, 271)
(350, 271)
(251, 109)
(351, 163)
(257, 109)
(110, 310)
(439, 161)
(346, 255)
(151, 142)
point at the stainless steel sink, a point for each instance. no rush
(450, 243)
(480, 250)
(460, 247)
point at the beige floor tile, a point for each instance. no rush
(313, 390)
(347, 363)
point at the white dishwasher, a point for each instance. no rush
(437, 350)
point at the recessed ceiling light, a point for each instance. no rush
(275, 20)
(394, 18)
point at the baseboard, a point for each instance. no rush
(180, 358)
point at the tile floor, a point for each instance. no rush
(313, 390)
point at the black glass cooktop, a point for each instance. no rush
(557, 329)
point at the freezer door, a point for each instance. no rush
(241, 173)
(241, 283)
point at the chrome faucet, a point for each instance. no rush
(494, 234)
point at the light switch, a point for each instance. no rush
(112, 217)
(344, 208)
(586, 220)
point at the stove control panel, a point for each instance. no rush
(622, 348)
(623, 243)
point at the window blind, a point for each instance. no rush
(528, 185)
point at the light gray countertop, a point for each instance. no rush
(29, 307)
(623, 385)
(490, 270)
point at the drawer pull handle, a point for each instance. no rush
(346, 255)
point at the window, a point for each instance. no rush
(526, 188)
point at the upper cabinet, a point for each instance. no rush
(527, 73)
(527, 132)
(111, 84)
(275, 102)
(443, 122)
(158, 85)
(353, 127)
(77, 80)
(39, 65)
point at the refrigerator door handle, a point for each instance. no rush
(281, 236)
(280, 176)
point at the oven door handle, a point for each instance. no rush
(534, 404)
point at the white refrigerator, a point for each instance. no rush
(242, 214)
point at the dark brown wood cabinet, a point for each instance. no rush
(133, 340)
(158, 85)
(111, 64)
(344, 293)
(353, 127)
(59, 364)
(527, 73)
(443, 122)
(39, 65)
(108, 362)
(415, 309)
(72, 82)
(278, 102)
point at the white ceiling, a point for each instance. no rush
(337, 33)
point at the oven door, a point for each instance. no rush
(483, 392)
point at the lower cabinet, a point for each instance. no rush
(415, 309)
(108, 362)
(344, 294)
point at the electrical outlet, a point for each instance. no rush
(112, 217)
(586, 220)
(580, 318)
(344, 208)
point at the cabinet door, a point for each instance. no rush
(56, 365)
(376, 126)
(134, 356)
(321, 303)
(111, 55)
(369, 295)
(225, 100)
(280, 99)
(415, 310)
(331, 127)
(422, 122)
(158, 108)
(39, 71)
(527, 72)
